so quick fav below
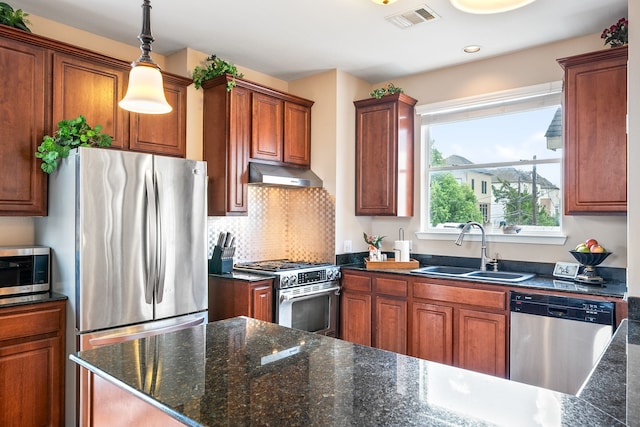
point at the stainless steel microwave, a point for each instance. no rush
(24, 270)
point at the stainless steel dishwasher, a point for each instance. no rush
(556, 340)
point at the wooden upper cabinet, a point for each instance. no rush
(297, 134)
(249, 123)
(22, 108)
(267, 127)
(595, 140)
(163, 133)
(227, 140)
(92, 88)
(384, 155)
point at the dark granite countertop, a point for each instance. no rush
(612, 288)
(11, 301)
(243, 371)
(242, 275)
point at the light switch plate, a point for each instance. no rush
(568, 270)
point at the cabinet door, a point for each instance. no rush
(32, 364)
(266, 132)
(227, 138)
(482, 342)
(31, 378)
(262, 303)
(595, 112)
(355, 318)
(92, 89)
(376, 159)
(391, 324)
(432, 332)
(384, 156)
(162, 133)
(22, 90)
(297, 134)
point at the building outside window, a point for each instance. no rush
(509, 142)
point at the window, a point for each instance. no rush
(509, 142)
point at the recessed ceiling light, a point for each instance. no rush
(488, 6)
(384, 1)
(472, 48)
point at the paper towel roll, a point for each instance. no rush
(403, 247)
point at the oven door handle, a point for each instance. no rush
(335, 289)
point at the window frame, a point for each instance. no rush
(484, 105)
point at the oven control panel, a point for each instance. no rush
(306, 277)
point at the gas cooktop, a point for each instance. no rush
(279, 265)
(290, 274)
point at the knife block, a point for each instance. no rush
(222, 260)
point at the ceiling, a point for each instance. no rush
(290, 39)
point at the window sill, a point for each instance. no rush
(537, 239)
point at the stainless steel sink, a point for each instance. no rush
(444, 270)
(473, 274)
(503, 276)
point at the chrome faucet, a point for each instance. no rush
(484, 259)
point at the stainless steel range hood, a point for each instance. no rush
(284, 176)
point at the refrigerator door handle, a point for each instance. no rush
(162, 245)
(151, 239)
(126, 336)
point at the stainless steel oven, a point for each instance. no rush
(306, 295)
(24, 270)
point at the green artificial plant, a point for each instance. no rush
(390, 89)
(70, 134)
(215, 67)
(13, 18)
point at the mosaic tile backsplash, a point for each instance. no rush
(296, 224)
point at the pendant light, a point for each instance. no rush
(488, 6)
(145, 93)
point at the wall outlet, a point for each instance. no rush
(347, 246)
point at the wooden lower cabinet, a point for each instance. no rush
(442, 321)
(355, 318)
(391, 324)
(374, 310)
(432, 332)
(482, 342)
(232, 297)
(459, 325)
(32, 358)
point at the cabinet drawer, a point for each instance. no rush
(393, 287)
(21, 323)
(475, 297)
(351, 282)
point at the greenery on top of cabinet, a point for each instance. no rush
(214, 67)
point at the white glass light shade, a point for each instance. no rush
(488, 6)
(384, 1)
(145, 93)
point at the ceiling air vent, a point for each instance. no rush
(411, 17)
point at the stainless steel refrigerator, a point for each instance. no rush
(129, 243)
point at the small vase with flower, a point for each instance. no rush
(375, 244)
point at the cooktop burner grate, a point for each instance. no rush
(280, 265)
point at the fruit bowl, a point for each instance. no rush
(590, 258)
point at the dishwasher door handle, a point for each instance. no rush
(557, 312)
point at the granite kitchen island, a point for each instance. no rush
(244, 372)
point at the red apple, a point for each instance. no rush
(591, 242)
(596, 249)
